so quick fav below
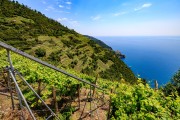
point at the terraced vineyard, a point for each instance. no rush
(72, 99)
(42, 37)
(94, 83)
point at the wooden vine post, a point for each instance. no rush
(54, 99)
(79, 96)
(109, 109)
(94, 87)
(7, 79)
(38, 90)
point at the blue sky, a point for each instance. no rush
(113, 17)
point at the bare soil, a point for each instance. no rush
(100, 109)
(99, 113)
(6, 111)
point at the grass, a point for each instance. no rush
(109, 63)
(102, 65)
(78, 67)
(44, 38)
(66, 60)
(19, 20)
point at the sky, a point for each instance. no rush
(113, 17)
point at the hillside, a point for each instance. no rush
(68, 97)
(128, 101)
(34, 33)
(99, 42)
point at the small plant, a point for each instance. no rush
(40, 52)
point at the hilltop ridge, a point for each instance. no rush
(99, 42)
(43, 37)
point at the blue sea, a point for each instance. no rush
(153, 58)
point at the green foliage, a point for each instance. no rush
(32, 32)
(142, 102)
(35, 73)
(67, 112)
(55, 56)
(137, 101)
(40, 52)
(174, 86)
(71, 41)
(20, 21)
(118, 67)
(87, 71)
(99, 42)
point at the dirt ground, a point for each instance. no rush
(85, 106)
(7, 113)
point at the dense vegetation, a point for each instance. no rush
(99, 42)
(45, 80)
(143, 103)
(137, 101)
(32, 32)
(173, 86)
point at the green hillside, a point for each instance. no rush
(69, 98)
(99, 42)
(128, 101)
(34, 33)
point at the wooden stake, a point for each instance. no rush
(54, 99)
(109, 110)
(94, 87)
(38, 91)
(79, 95)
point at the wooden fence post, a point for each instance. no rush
(38, 91)
(54, 99)
(79, 96)
(109, 109)
(94, 87)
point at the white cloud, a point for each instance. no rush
(146, 5)
(62, 19)
(68, 21)
(95, 18)
(69, 3)
(66, 4)
(61, 6)
(119, 13)
(53, 9)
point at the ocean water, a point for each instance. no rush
(153, 58)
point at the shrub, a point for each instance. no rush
(173, 86)
(40, 52)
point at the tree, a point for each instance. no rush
(173, 85)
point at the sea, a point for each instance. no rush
(149, 57)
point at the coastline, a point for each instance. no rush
(147, 56)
